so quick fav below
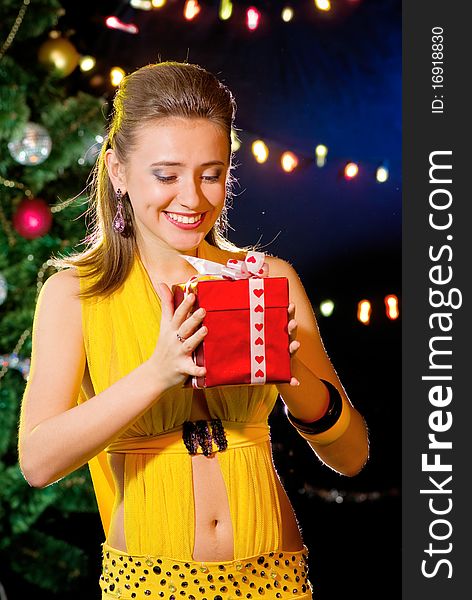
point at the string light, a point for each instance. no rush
(324, 5)
(158, 3)
(351, 170)
(287, 14)
(87, 63)
(321, 152)
(235, 141)
(253, 17)
(13, 359)
(340, 496)
(9, 183)
(115, 23)
(391, 307)
(289, 161)
(226, 9)
(14, 30)
(7, 228)
(191, 9)
(364, 310)
(382, 174)
(260, 151)
(327, 308)
(97, 80)
(116, 75)
(141, 4)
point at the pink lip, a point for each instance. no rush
(185, 225)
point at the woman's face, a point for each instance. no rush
(175, 177)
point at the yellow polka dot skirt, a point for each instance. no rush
(273, 575)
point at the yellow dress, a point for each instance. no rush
(120, 332)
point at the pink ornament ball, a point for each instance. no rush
(33, 218)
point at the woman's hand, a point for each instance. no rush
(179, 336)
(294, 344)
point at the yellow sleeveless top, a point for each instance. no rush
(120, 332)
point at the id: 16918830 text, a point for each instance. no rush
(437, 69)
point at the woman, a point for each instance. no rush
(214, 523)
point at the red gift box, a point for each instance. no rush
(247, 340)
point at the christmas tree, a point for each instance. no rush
(49, 136)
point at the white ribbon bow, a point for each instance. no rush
(252, 266)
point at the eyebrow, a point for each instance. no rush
(167, 163)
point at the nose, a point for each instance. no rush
(191, 195)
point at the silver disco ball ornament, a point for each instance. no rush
(3, 289)
(31, 146)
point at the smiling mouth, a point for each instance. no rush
(180, 218)
(185, 221)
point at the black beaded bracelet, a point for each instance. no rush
(330, 417)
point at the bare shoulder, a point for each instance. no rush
(58, 310)
(65, 280)
(61, 289)
(278, 267)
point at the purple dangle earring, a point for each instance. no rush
(119, 221)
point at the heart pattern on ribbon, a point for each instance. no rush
(257, 336)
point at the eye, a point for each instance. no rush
(173, 178)
(169, 179)
(211, 178)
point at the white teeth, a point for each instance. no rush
(182, 219)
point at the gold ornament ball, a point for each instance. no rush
(59, 55)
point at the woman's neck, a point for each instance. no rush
(166, 262)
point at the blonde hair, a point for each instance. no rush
(156, 91)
